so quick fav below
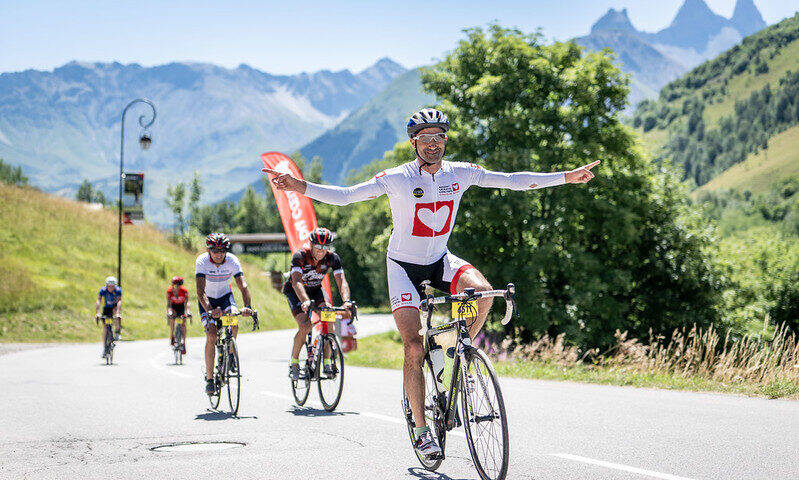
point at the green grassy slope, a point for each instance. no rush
(56, 253)
(760, 171)
(730, 77)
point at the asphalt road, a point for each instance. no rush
(65, 415)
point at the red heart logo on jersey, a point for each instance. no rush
(406, 297)
(432, 219)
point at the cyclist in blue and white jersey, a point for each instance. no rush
(424, 196)
(214, 271)
(110, 299)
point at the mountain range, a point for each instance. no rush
(694, 35)
(63, 126)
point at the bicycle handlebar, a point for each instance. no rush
(324, 308)
(509, 294)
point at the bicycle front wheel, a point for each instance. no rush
(109, 345)
(302, 387)
(233, 378)
(331, 384)
(484, 417)
(214, 398)
(177, 347)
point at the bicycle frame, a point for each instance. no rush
(463, 342)
(312, 342)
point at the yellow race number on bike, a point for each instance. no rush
(230, 321)
(108, 321)
(328, 316)
(464, 309)
(179, 321)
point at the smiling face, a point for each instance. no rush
(217, 255)
(430, 152)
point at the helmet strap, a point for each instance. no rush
(425, 163)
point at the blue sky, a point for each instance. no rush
(291, 37)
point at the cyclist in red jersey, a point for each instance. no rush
(177, 304)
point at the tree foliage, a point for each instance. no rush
(622, 252)
(87, 193)
(12, 175)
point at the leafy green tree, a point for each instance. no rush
(195, 193)
(251, 215)
(622, 252)
(12, 175)
(176, 200)
(85, 192)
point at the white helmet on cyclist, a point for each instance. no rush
(111, 280)
(426, 118)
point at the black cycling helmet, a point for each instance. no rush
(426, 118)
(321, 236)
(217, 240)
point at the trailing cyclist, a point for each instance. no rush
(177, 305)
(111, 297)
(424, 196)
(308, 268)
(214, 270)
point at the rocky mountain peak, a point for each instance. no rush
(614, 20)
(747, 18)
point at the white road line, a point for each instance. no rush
(618, 466)
(168, 370)
(377, 416)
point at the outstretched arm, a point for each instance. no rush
(530, 180)
(326, 193)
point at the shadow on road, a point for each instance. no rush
(316, 412)
(427, 475)
(214, 415)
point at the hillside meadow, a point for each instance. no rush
(56, 254)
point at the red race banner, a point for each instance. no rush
(296, 210)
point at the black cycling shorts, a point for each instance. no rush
(315, 294)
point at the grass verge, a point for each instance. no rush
(56, 254)
(385, 351)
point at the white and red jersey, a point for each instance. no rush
(424, 206)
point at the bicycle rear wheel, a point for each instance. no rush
(484, 417)
(233, 379)
(302, 387)
(330, 386)
(433, 418)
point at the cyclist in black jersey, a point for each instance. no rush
(308, 268)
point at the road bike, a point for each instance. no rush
(179, 343)
(227, 368)
(472, 377)
(110, 342)
(312, 354)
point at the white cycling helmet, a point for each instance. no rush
(111, 280)
(426, 118)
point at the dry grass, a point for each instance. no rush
(771, 366)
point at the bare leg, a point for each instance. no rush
(171, 321)
(210, 343)
(409, 324)
(472, 278)
(303, 327)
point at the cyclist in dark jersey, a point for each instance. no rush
(308, 267)
(177, 304)
(110, 299)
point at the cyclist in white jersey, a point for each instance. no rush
(424, 196)
(214, 271)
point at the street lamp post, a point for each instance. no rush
(145, 141)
